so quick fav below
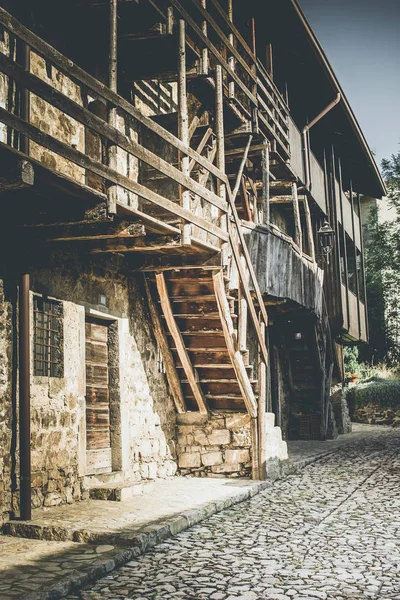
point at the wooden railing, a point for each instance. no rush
(78, 113)
(213, 36)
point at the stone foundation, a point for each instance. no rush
(214, 447)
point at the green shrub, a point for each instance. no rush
(380, 392)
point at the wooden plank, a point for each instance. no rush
(168, 359)
(95, 123)
(86, 162)
(235, 355)
(80, 76)
(179, 343)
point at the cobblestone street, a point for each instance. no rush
(330, 532)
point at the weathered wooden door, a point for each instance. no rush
(98, 439)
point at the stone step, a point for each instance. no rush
(116, 491)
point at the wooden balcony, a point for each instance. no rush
(73, 145)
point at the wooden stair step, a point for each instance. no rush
(196, 298)
(200, 325)
(207, 357)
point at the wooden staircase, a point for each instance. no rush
(306, 387)
(201, 332)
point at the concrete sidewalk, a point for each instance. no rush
(65, 547)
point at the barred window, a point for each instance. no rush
(48, 338)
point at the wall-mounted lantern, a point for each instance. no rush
(326, 237)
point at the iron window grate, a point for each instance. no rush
(48, 338)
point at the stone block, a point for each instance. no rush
(219, 437)
(200, 437)
(225, 468)
(237, 421)
(189, 460)
(52, 500)
(191, 418)
(211, 458)
(237, 456)
(241, 437)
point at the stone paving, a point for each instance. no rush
(331, 532)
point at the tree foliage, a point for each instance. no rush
(383, 271)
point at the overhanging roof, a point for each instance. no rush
(301, 63)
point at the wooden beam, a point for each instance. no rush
(298, 238)
(179, 343)
(169, 364)
(18, 175)
(230, 340)
(86, 162)
(81, 77)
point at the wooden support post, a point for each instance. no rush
(180, 344)
(268, 60)
(170, 20)
(183, 125)
(24, 58)
(220, 144)
(363, 266)
(265, 184)
(344, 245)
(255, 463)
(298, 238)
(309, 230)
(169, 364)
(112, 191)
(231, 59)
(242, 325)
(262, 408)
(219, 121)
(353, 226)
(204, 52)
(234, 354)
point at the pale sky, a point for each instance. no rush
(361, 39)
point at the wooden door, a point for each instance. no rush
(98, 439)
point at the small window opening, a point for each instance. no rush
(48, 338)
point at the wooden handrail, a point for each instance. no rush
(98, 168)
(249, 265)
(193, 25)
(88, 119)
(225, 40)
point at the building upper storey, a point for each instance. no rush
(157, 99)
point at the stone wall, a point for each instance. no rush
(143, 413)
(219, 446)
